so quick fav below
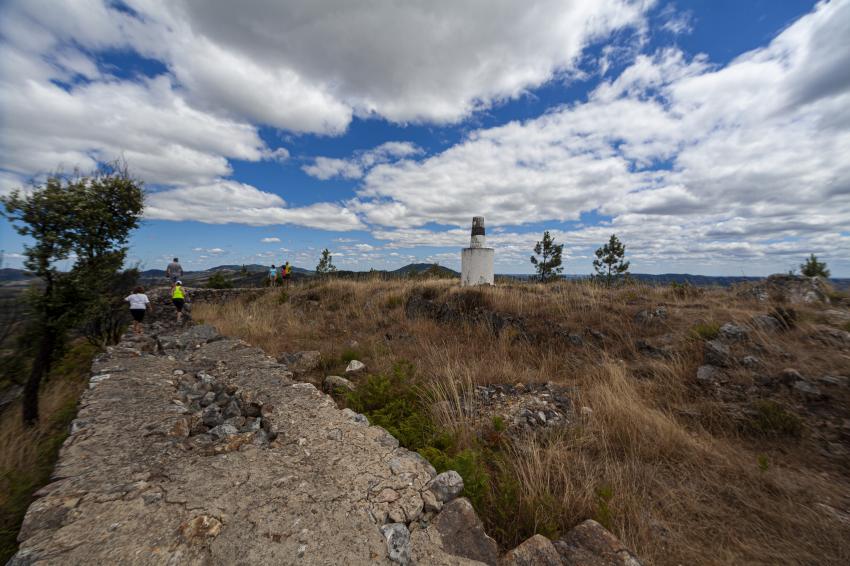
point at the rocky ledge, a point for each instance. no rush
(192, 448)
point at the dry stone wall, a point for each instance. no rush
(194, 448)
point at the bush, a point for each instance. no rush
(219, 281)
(705, 330)
(772, 419)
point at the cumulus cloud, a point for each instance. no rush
(354, 167)
(270, 240)
(754, 151)
(224, 202)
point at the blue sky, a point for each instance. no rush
(712, 136)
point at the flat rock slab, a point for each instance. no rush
(134, 486)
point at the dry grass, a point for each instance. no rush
(27, 454)
(661, 461)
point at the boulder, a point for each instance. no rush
(355, 366)
(751, 362)
(337, 383)
(709, 374)
(767, 323)
(535, 551)
(463, 534)
(733, 333)
(591, 544)
(446, 486)
(717, 353)
(301, 362)
(398, 542)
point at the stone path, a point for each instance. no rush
(290, 480)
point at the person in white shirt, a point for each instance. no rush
(139, 304)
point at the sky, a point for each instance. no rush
(711, 136)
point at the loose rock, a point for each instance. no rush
(355, 366)
(446, 486)
(535, 551)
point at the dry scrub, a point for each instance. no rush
(668, 465)
(27, 454)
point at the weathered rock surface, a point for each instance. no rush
(446, 486)
(354, 366)
(288, 478)
(591, 544)
(337, 383)
(535, 551)
(463, 534)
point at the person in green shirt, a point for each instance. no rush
(178, 297)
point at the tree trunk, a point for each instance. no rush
(40, 368)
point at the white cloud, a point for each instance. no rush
(354, 167)
(308, 67)
(270, 240)
(216, 251)
(224, 202)
(758, 151)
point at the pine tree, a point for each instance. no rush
(609, 262)
(814, 268)
(549, 265)
(325, 265)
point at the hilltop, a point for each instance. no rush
(700, 425)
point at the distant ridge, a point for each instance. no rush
(256, 274)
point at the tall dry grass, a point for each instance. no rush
(27, 454)
(659, 460)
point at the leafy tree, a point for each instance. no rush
(325, 265)
(82, 218)
(549, 265)
(609, 262)
(218, 281)
(814, 268)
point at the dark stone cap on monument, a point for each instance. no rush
(477, 225)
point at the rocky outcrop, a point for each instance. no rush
(794, 289)
(208, 453)
(590, 544)
(193, 448)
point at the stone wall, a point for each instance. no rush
(193, 448)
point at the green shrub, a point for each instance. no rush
(350, 354)
(763, 462)
(394, 301)
(772, 419)
(391, 401)
(219, 281)
(604, 515)
(705, 330)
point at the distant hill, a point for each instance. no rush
(8, 274)
(256, 275)
(422, 268)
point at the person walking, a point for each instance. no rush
(272, 276)
(174, 271)
(178, 297)
(139, 304)
(286, 272)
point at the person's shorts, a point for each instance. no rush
(175, 278)
(138, 314)
(178, 304)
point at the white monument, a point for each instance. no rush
(476, 261)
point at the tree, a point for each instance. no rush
(609, 262)
(219, 281)
(549, 265)
(325, 265)
(814, 268)
(84, 218)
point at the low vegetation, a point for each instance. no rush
(682, 472)
(29, 452)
